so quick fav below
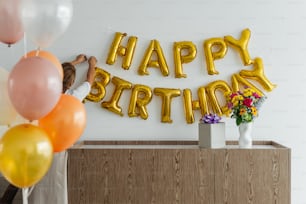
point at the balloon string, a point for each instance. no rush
(30, 190)
(24, 45)
(37, 51)
(25, 195)
(12, 53)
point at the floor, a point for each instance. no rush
(3, 186)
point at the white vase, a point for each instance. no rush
(245, 135)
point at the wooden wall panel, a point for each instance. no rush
(140, 176)
(256, 176)
(177, 173)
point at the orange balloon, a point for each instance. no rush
(25, 155)
(49, 56)
(65, 123)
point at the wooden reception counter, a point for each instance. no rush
(166, 172)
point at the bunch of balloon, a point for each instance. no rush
(34, 86)
(11, 27)
(32, 89)
(35, 91)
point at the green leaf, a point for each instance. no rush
(238, 121)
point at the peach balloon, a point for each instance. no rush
(34, 87)
(11, 28)
(49, 56)
(65, 123)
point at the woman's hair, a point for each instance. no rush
(69, 75)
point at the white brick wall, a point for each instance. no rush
(278, 36)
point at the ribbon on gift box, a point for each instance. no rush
(210, 118)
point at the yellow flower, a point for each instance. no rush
(237, 99)
(254, 111)
(242, 111)
(236, 103)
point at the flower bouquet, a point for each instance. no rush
(244, 105)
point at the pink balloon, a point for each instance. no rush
(11, 28)
(34, 87)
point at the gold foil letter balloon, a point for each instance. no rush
(102, 79)
(180, 58)
(159, 62)
(214, 48)
(166, 96)
(126, 52)
(140, 97)
(241, 46)
(112, 104)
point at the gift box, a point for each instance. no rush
(212, 135)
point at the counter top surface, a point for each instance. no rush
(166, 145)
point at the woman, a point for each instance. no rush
(69, 77)
(52, 189)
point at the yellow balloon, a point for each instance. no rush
(188, 106)
(102, 79)
(179, 58)
(112, 104)
(239, 82)
(258, 75)
(140, 97)
(211, 89)
(214, 48)
(166, 96)
(241, 45)
(126, 52)
(147, 61)
(25, 155)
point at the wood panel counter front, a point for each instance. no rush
(166, 172)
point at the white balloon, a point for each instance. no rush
(7, 112)
(45, 20)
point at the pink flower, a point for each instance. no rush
(230, 105)
(233, 95)
(247, 102)
(256, 95)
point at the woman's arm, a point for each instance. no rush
(79, 59)
(92, 62)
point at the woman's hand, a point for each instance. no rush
(92, 61)
(79, 59)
